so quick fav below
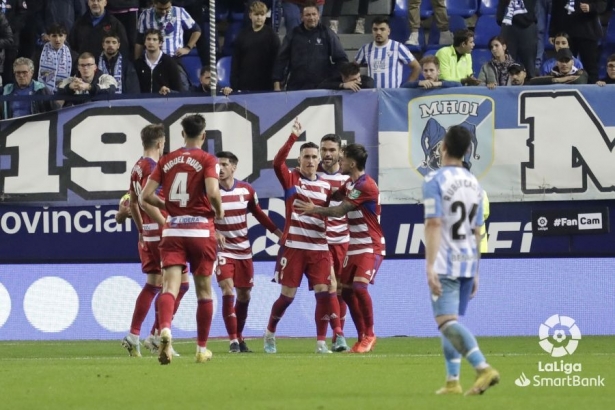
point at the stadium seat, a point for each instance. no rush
(224, 71)
(488, 7)
(465, 8)
(479, 57)
(231, 34)
(609, 39)
(222, 10)
(400, 31)
(192, 64)
(426, 10)
(454, 22)
(486, 28)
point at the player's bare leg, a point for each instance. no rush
(171, 281)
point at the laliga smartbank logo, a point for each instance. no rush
(559, 336)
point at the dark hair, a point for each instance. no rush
(85, 55)
(111, 34)
(430, 59)
(57, 28)
(497, 38)
(457, 141)
(380, 20)
(310, 3)
(350, 68)
(232, 158)
(193, 125)
(204, 69)
(562, 34)
(333, 138)
(163, 2)
(150, 31)
(461, 36)
(358, 153)
(150, 134)
(308, 145)
(611, 58)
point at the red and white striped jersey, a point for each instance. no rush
(138, 178)
(182, 175)
(236, 203)
(337, 228)
(364, 222)
(301, 231)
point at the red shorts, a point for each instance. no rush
(199, 252)
(150, 257)
(338, 253)
(363, 265)
(293, 263)
(240, 270)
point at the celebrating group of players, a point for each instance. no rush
(190, 210)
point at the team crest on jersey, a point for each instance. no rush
(430, 118)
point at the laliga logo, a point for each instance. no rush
(563, 331)
(542, 221)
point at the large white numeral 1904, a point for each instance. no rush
(179, 192)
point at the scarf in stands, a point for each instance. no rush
(570, 6)
(555, 72)
(117, 70)
(54, 66)
(514, 7)
(501, 69)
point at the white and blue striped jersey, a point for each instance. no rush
(385, 63)
(454, 195)
(171, 25)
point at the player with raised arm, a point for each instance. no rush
(148, 224)
(453, 216)
(361, 202)
(189, 180)
(304, 242)
(235, 268)
(337, 234)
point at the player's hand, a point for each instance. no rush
(304, 207)
(474, 287)
(164, 90)
(584, 7)
(491, 86)
(221, 240)
(601, 83)
(296, 127)
(278, 233)
(354, 85)
(434, 283)
(226, 91)
(182, 51)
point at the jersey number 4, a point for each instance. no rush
(179, 189)
(459, 207)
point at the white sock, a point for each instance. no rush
(200, 349)
(234, 341)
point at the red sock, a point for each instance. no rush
(343, 309)
(142, 305)
(241, 310)
(365, 303)
(277, 311)
(334, 315)
(204, 313)
(183, 288)
(229, 316)
(355, 311)
(321, 314)
(166, 302)
(156, 325)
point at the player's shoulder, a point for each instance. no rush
(243, 186)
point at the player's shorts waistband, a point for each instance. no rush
(151, 227)
(151, 238)
(186, 233)
(186, 219)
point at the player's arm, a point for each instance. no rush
(212, 187)
(134, 210)
(279, 161)
(263, 219)
(415, 70)
(334, 211)
(154, 213)
(148, 195)
(433, 228)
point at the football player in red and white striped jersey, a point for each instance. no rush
(235, 268)
(304, 242)
(361, 202)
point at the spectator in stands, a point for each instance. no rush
(456, 60)
(157, 71)
(517, 74)
(127, 12)
(518, 21)
(6, 43)
(56, 61)
(310, 54)
(495, 72)
(195, 9)
(171, 21)
(23, 69)
(119, 67)
(15, 14)
(205, 84)
(88, 81)
(254, 53)
(440, 17)
(293, 12)
(610, 72)
(385, 58)
(87, 34)
(336, 11)
(580, 20)
(349, 78)
(431, 72)
(564, 73)
(561, 40)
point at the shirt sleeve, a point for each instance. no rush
(186, 21)
(212, 168)
(405, 55)
(279, 162)
(360, 57)
(259, 214)
(432, 198)
(363, 192)
(157, 174)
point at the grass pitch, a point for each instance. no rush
(402, 373)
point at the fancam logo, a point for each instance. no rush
(559, 336)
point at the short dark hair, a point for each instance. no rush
(308, 145)
(357, 153)
(204, 69)
(111, 34)
(350, 68)
(500, 39)
(333, 138)
(151, 31)
(380, 20)
(161, 1)
(457, 141)
(232, 158)
(461, 36)
(562, 34)
(430, 59)
(611, 58)
(57, 28)
(150, 134)
(310, 3)
(85, 55)
(193, 125)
